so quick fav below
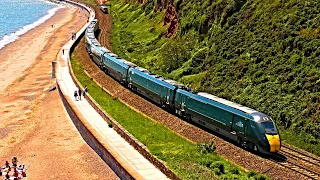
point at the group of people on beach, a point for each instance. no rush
(14, 171)
(77, 93)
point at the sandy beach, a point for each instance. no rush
(34, 125)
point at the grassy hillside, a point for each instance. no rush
(261, 54)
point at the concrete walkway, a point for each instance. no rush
(126, 155)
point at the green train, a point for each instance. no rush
(250, 128)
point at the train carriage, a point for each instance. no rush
(96, 54)
(115, 66)
(152, 86)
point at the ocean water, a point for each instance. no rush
(19, 16)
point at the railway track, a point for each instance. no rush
(312, 160)
(299, 161)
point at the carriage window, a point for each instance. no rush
(269, 128)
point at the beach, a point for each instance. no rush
(34, 126)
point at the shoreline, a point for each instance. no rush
(27, 48)
(9, 38)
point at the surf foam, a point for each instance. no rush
(14, 36)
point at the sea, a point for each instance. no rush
(19, 16)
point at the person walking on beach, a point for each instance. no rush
(85, 90)
(76, 95)
(79, 93)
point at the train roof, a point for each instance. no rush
(175, 83)
(91, 36)
(94, 21)
(142, 69)
(127, 62)
(152, 77)
(159, 77)
(95, 42)
(206, 100)
(112, 54)
(105, 49)
(228, 103)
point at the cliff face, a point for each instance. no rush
(170, 19)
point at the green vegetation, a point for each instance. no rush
(261, 54)
(179, 154)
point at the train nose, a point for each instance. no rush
(274, 142)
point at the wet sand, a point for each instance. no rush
(34, 125)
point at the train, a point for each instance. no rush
(253, 130)
(103, 8)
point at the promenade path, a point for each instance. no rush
(137, 166)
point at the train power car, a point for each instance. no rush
(250, 128)
(246, 126)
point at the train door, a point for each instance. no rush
(168, 96)
(101, 60)
(180, 110)
(183, 102)
(239, 127)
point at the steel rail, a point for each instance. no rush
(301, 155)
(297, 168)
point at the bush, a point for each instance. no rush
(216, 171)
(230, 177)
(260, 177)
(207, 148)
(218, 165)
(251, 173)
(234, 170)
